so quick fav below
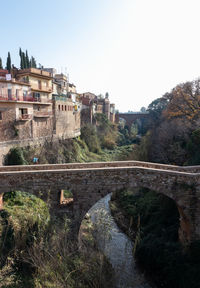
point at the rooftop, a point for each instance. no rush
(36, 72)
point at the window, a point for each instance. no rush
(65, 108)
(25, 94)
(36, 96)
(9, 94)
(39, 84)
(0, 115)
(17, 94)
(59, 107)
(23, 111)
(62, 107)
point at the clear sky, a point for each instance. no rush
(134, 49)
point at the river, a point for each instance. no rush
(116, 246)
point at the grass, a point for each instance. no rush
(41, 252)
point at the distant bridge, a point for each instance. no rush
(89, 182)
(130, 118)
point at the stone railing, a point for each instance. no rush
(114, 164)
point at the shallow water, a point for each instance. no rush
(116, 246)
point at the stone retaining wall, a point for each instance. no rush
(6, 146)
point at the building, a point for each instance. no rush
(35, 107)
(66, 107)
(24, 114)
(38, 105)
(92, 104)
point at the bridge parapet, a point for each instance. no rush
(190, 169)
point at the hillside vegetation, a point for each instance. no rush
(96, 143)
(41, 251)
(152, 221)
(173, 135)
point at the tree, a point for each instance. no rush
(8, 62)
(143, 110)
(33, 62)
(106, 95)
(24, 61)
(27, 60)
(184, 101)
(157, 107)
(1, 66)
(20, 52)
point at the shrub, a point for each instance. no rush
(22, 221)
(89, 135)
(15, 157)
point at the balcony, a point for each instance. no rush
(13, 97)
(28, 98)
(61, 97)
(40, 88)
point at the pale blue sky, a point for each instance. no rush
(135, 49)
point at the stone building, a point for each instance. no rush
(38, 105)
(35, 107)
(66, 109)
(92, 104)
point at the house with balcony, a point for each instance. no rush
(22, 116)
(39, 80)
(16, 104)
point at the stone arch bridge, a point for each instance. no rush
(130, 118)
(90, 181)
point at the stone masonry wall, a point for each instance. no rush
(90, 184)
(7, 130)
(67, 122)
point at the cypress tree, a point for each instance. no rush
(8, 62)
(20, 52)
(33, 62)
(24, 60)
(1, 66)
(27, 60)
(21, 62)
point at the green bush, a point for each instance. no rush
(15, 157)
(89, 135)
(23, 220)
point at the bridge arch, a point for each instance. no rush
(131, 118)
(90, 182)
